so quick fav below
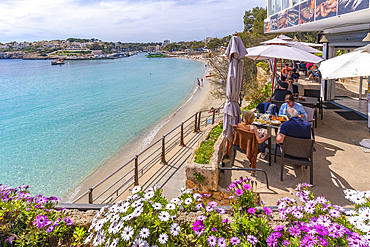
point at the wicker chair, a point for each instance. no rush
(297, 151)
(317, 94)
(311, 113)
(277, 103)
(309, 105)
(252, 135)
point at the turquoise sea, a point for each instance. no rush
(58, 123)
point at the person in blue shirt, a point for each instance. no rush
(289, 103)
(295, 127)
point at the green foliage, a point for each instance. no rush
(199, 177)
(198, 44)
(79, 236)
(254, 20)
(96, 46)
(214, 43)
(259, 95)
(204, 153)
(173, 46)
(264, 66)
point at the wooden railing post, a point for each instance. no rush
(163, 160)
(196, 123)
(90, 196)
(182, 135)
(136, 170)
(213, 116)
(199, 121)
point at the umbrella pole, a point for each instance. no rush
(227, 149)
(273, 76)
(281, 67)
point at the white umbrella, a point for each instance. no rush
(263, 52)
(295, 44)
(284, 37)
(352, 64)
(235, 51)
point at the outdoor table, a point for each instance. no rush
(308, 100)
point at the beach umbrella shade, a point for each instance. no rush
(284, 37)
(352, 64)
(236, 52)
(264, 52)
(295, 44)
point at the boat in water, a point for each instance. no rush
(155, 54)
(57, 62)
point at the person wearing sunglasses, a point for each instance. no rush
(289, 103)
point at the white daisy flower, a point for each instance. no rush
(164, 216)
(149, 194)
(123, 208)
(138, 242)
(157, 206)
(155, 187)
(175, 200)
(188, 201)
(170, 206)
(138, 211)
(364, 212)
(144, 233)
(197, 197)
(188, 191)
(163, 238)
(367, 194)
(127, 217)
(137, 203)
(175, 229)
(89, 238)
(136, 189)
(114, 242)
(127, 233)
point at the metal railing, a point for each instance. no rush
(120, 180)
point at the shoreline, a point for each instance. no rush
(198, 99)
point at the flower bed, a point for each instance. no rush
(205, 151)
(149, 219)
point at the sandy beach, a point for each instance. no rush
(201, 99)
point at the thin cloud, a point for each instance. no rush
(126, 21)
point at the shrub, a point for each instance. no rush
(258, 96)
(204, 153)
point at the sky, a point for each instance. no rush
(122, 20)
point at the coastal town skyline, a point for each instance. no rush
(125, 21)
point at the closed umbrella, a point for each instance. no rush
(236, 52)
(352, 64)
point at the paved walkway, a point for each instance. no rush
(338, 162)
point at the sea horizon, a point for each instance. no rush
(59, 123)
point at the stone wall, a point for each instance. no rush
(209, 171)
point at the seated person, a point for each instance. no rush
(246, 124)
(295, 127)
(292, 74)
(289, 103)
(281, 92)
(302, 67)
(314, 71)
(291, 87)
(286, 69)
